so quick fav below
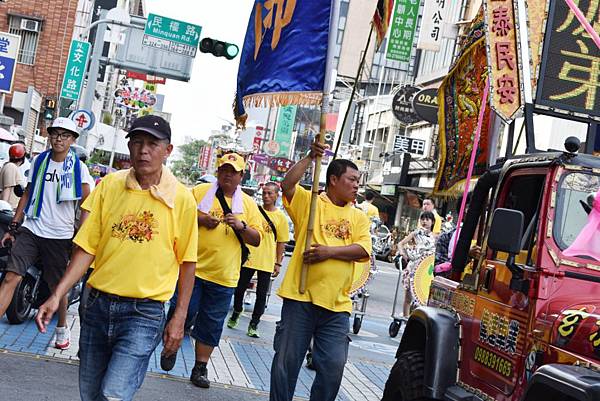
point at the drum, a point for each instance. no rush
(361, 273)
(423, 276)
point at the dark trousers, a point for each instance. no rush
(262, 288)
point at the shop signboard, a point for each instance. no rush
(402, 105)
(402, 31)
(569, 79)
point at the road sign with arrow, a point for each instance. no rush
(171, 35)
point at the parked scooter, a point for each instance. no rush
(382, 241)
(32, 291)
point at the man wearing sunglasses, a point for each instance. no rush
(44, 221)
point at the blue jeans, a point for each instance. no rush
(207, 311)
(116, 342)
(300, 322)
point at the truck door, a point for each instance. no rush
(501, 314)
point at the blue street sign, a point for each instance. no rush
(9, 51)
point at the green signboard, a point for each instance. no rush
(173, 30)
(283, 132)
(402, 33)
(75, 70)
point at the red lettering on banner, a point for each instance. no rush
(506, 89)
(501, 25)
(504, 58)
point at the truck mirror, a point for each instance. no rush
(506, 235)
(506, 231)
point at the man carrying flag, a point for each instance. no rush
(341, 237)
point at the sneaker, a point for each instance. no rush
(234, 320)
(253, 330)
(199, 376)
(63, 338)
(168, 362)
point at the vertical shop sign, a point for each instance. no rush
(402, 33)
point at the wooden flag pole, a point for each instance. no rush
(329, 79)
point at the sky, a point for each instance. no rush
(203, 103)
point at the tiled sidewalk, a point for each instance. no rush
(235, 362)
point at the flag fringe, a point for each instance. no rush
(277, 99)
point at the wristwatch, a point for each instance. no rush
(245, 226)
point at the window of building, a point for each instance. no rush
(29, 31)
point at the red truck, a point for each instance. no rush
(525, 324)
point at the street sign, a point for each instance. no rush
(133, 55)
(9, 50)
(84, 119)
(75, 71)
(171, 35)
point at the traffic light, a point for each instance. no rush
(219, 48)
(50, 106)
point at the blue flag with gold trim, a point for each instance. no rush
(284, 55)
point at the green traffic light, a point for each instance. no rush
(232, 51)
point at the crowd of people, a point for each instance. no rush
(145, 240)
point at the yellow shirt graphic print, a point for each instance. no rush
(137, 228)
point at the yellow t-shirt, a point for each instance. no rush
(437, 225)
(264, 256)
(138, 242)
(329, 282)
(219, 251)
(370, 209)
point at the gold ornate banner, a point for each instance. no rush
(503, 58)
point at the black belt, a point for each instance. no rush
(95, 293)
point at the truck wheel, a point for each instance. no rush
(20, 306)
(405, 382)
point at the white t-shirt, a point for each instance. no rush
(57, 220)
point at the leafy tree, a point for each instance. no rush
(186, 166)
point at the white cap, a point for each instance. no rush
(64, 123)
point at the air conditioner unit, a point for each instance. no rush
(30, 25)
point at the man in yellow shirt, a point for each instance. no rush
(265, 259)
(222, 236)
(142, 236)
(429, 206)
(340, 238)
(368, 207)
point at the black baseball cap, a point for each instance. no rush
(153, 125)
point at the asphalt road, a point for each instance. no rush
(26, 378)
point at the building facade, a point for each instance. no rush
(46, 29)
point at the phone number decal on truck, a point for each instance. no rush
(493, 361)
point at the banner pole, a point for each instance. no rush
(356, 83)
(327, 90)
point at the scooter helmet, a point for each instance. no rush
(16, 151)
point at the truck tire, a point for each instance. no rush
(405, 382)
